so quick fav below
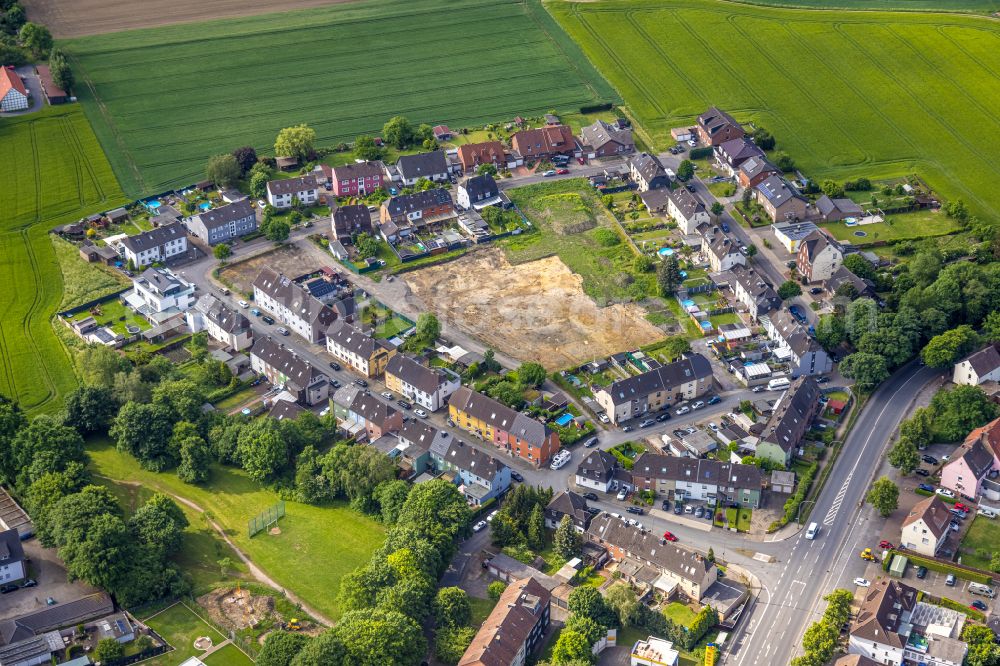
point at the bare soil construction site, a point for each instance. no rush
(535, 311)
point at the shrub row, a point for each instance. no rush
(699, 153)
(942, 567)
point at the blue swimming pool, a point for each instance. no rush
(684, 274)
(665, 251)
(205, 206)
(687, 303)
(564, 419)
(153, 205)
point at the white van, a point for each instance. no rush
(778, 384)
(987, 511)
(812, 531)
(984, 590)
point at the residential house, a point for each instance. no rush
(442, 132)
(842, 277)
(855, 660)
(753, 292)
(283, 367)
(346, 221)
(433, 166)
(223, 324)
(353, 405)
(543, 142)
(417, 208)
(294, 305)
(782, 482)
(34, 637)
(471, 155)
(93, 253)
(359, 350)
(834, 210)
(158, 290)
(683, 133)
(568, 503)
(795, 346)
(647, 172)
(791, 234)
(969, 466)
(514, 628)
(603, 140)
(13, 94)
(723, 252)
(356, 179)
(653, 651)
(53, 93)
(715, 127)
(780, 200)
(517, 433)
(600, 470)
(685, 379)
(819, 256)
(791, 418)
(282, 193)
(730, 155)
(221, 225)
(657, 201)
(647, 558)
(926, 526)
(687, 209)
(697, 444)
(700, 479)
(754, 171)
(478, 192)
(284, 410)
(428, 387)
(893, 627)
(89, 331)
(157, 245)
(978, 367)
(480, 476)
(11, 557)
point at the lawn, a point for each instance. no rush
(873, 94)
(723, 188)
(228, 655)
(83, 281)
(984, 534)
(902, 226)
(481, 609)
(115, 314)
(162, 100)
(316, 547)
(179, 626)
(680, 613)
(54, 172)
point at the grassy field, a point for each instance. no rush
(179, 626)
(871, 94)
(54, 173)
(162, 100)
(228, 655)
(983, 535)
(973, 6)
(916, 225)
(82, 281)
(316, 547)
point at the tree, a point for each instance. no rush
(43, 446)
(280, 648)
(763, 138)
(571, 647)
(717, 208)
(924, 267)
(503, 530)
(586, 627)
(531, 374)
(668, 276)
(789, 289)
(258, 184)
(621, 598)
(261, 450)
(674, 347)
(747, 197)
(607, 237)
(495, 589)
(587, 601)
(246, 157)
(296, 141)
(62, 74)
(860, 317)
(685, 170)
(159, 525)
(398, 132)
(991, 326)
(946, 349)
(489, 363)
(196, 459)
(642, 263)
(327, 649)
(891, 343)
(277, 231)
(222, 251)
(919, 428)
(450, 643)
(983, 650)
(378, 637)
(366, 245)
(46, 491)
(884, 496)
(390, 496)
(567, 540)
(36, 38)
(536, 529)
(366, 149)
(90, 409)
(830, 331)
(784, 162)
(223, 170)
(860, 266)
(487, 169)
(452, 607)
(108, 649)
(428, 327)
(960, 410)
(903, 456)
(751, 250)
(867, 370)
(832, 189)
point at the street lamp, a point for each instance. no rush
(799, 512)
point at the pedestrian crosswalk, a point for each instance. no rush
(831, 515)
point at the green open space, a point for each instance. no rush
(180, 627)
(162, 100)
(481, 609)
(54, 172)
(228, 655)
(874, 94)
(82, 281)
(115, 314)
(983, 538)
(900, 226)
(317, 545)
(974, 6)
(680, 613)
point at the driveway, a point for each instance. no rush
(34, 86)
(46, 568)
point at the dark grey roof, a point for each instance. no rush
(754, 166)
(481, 187)
(720, 244)
(416, 374)
(882, 611)
(296, 298)
(673, 468)
(984, 361)
(499, 415)
(287, 362)
(648, 166)
(793, 414)
(692, 367)
(348, 220)
(372, 409)
(292, 185)
(154, 238)
(465, 457)
(715, 120)
(978, 458)
(160, 281)
(736, 151)
(792, 333)
(61, 615)
(817, 241)
(285, 410)
(778, 191)
(222, 216)
(420, 435)
(826, 205)
(687, 203)
(656, 199)
(600, 133)
(228, 320)
(11, 550)
(422, 165)
(409, 203)
(568, 503)
(598, 466)
(844, 275)
(647, 547)
(33, 650)
(355, 340)
(764, 296)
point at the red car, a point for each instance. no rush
(885, 545)
(562, 172)
(669, 536)
(581, 160)
(962, 507)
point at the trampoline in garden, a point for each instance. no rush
(564, 419)
(860, 234)
(684, 274)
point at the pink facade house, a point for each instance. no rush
(970, 466)
(356, 179)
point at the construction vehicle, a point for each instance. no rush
(867, 554)
(293, 625)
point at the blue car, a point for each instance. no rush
(928, 488)
(725, 227)
(714, 400)
(797, 313)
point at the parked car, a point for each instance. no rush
(493, 514)
(862, 582)
(885, 545)
(581, 160)
(683, 410)
(669, 536)
(944, 492)
(421, 413)
(7, 588)
(713, 426)
(816, 290)
(979, 606)
(796, 312)
(647, 423)
(926, 487)
(281, 330)
(635, 510)
(757, 389)
(360, 382)
(603, 418)
(725, 227)
(517, 476)
(627, 428)
(921, 572)
(665, 416)
(714, 400)
(698, 405)
(699, 512)
(590, 442)
(267, 319)
(550, 172)
(665, 505)
(386, 394)
(950, 580)
(404, 404)
(962, 507)
(622, 494)
(334, 383)
(563, 171)
(255, 312)
(590, 496)
(478, 527)
(922, 472)
(31, 582)
(930, 460)
(334, 366)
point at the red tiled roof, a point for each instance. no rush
(9, 80)
(989, 435)
(48, 85)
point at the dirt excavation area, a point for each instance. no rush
(290, 260)
(535, 311)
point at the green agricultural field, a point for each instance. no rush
(973, 6)
(871, 94)
(54, 172)
(317, 546)
(162, 100)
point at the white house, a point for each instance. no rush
(926, 526)
(478, 192)
(294, 305)
(653, 652)
(158, 290)
(281, 193)
(433, 166)
(157, 245)
(793, 345)
(428, 387)
(11, 556)
(221, 323)
(753, 292)
(722, 251)
(13, 94)
(981, 366)
(687, 210)
(601, 471)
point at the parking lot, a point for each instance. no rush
(47, 569)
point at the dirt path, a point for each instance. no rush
(255, 571)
